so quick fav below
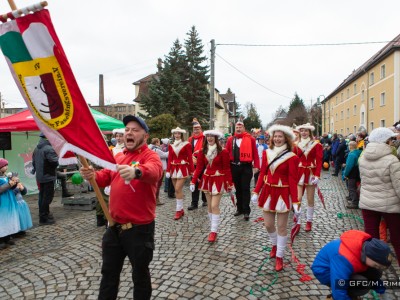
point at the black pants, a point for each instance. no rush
(46, 195)
(196, 196)
(171, 189)
(241, 176)
(138, 244)
(256, 178)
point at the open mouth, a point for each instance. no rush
(129, 140)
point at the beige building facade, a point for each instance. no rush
(369, 97)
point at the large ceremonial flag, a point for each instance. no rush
(44, 77)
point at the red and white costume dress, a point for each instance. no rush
(217, 176)
(180, 162)
(310, 161)
(277, 187)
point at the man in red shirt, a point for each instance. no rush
(196, 140)
(132, 207)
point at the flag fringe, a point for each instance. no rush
(98, 161)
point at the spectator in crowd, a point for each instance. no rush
(355, 256)
(45, 163)
(340, 154)
(352, 174)
(380, 189)
(119, 139)
(156, 147)
(261, 147)
(334, 146)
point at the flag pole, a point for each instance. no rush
(12, 5)
(99, 196)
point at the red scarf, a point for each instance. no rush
(199, 143)
(246, 150)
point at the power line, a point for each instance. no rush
(247, 76)
(306, 45)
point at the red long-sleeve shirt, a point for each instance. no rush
(126, 205)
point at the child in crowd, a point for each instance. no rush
(9, 218)
(25, 218)
(352, 174)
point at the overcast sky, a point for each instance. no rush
(123, 39)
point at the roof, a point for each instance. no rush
(148, 78)
(388, 49)
(230, 97)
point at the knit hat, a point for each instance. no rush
(381, 135)
(378, 251)
(196, 123)
(3, 162)
(42, 135)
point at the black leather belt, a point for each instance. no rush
(240, 163)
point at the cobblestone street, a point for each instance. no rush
(63, 261)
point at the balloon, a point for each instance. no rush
(326, 165)
(77, 178)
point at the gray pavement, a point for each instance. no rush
(63, 261)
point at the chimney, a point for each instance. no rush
(159, 64)
(101, 92)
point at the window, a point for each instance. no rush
(341, 130)
(383, 99)
(355, 88)
(383, 71)
(336, 100)
(371, 103)
(336, 117)
(354, 129)
(348, 114)
(371, 78)
(355, 110)
(347, 131)
(362, 117)
(371, 126)
(341, 115)
(341, 97)
(362, 95)
(383, 123)
(348, 93)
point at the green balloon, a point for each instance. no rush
(340, 215)
(77, 178)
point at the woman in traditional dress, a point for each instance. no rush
(217, 177)
(180, 166)
(276, 189)
(309, 168)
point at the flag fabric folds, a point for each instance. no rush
(44, 77)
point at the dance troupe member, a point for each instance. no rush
(216, 179)
(276, 188)
(309, 168)
(180, 166)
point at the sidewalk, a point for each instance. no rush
(63, 261)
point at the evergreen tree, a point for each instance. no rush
(297, 113)
(161, 125)
(167, 90)
(252, 119)
(196, 94)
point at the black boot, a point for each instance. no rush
(100, 221)
(193, 206)
(65, 193)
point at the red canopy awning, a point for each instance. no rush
(22, 121)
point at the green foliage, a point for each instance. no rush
(161, 125)
(297, 113)
(252, 119)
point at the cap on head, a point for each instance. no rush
(142, 123)
(261, 137)
(378, 251)
(196, 123)
(3, 162)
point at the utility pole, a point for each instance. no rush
(212, 84)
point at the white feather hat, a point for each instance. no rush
(119, 130)
(178, 129)
(306, 126)
(285, 129)
(213, 132)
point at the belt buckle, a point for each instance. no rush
(126, 226)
